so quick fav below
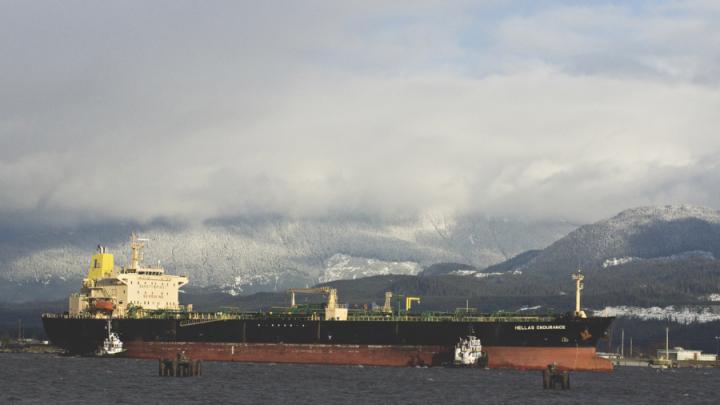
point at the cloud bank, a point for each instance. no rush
(191, 111)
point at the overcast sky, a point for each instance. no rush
(201, 109)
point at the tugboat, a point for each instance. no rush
(468, 353)
(112, 345)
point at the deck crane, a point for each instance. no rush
(387, 308)
(408, 302)
(333, 310)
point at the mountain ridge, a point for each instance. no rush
(644, 233)
(267, 254)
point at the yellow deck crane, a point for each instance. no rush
(387, 308)
(408, 302)
(333, 310)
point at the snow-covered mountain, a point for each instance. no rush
(344, 267)
(670, 233)
(261, 254)
(244, 256)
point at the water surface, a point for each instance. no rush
(49, 379)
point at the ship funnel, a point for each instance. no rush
(101, 264)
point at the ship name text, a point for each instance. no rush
(539, 327)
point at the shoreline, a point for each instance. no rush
(32, 348)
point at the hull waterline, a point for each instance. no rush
(524, 358)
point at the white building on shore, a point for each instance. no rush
(680, 354)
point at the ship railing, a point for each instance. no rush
(446, 318)
(214, 316)
(67, 316)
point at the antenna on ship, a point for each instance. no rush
(136, 245)
(579, 285)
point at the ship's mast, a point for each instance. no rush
(579, 285)
(136, 244)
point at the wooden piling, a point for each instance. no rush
(552, 377)
(180, 366)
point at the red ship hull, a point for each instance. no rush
(525, 358)
(538, 358)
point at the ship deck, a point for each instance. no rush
(365, 316)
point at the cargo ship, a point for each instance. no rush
(140, 303)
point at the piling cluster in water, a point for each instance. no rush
(180, 366)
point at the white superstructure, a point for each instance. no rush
(111, 291)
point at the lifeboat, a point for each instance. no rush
(105, 305)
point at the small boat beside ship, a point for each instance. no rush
(139, 306)
(469, 353)
(112, 345)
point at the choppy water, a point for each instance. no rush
(47, 379)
